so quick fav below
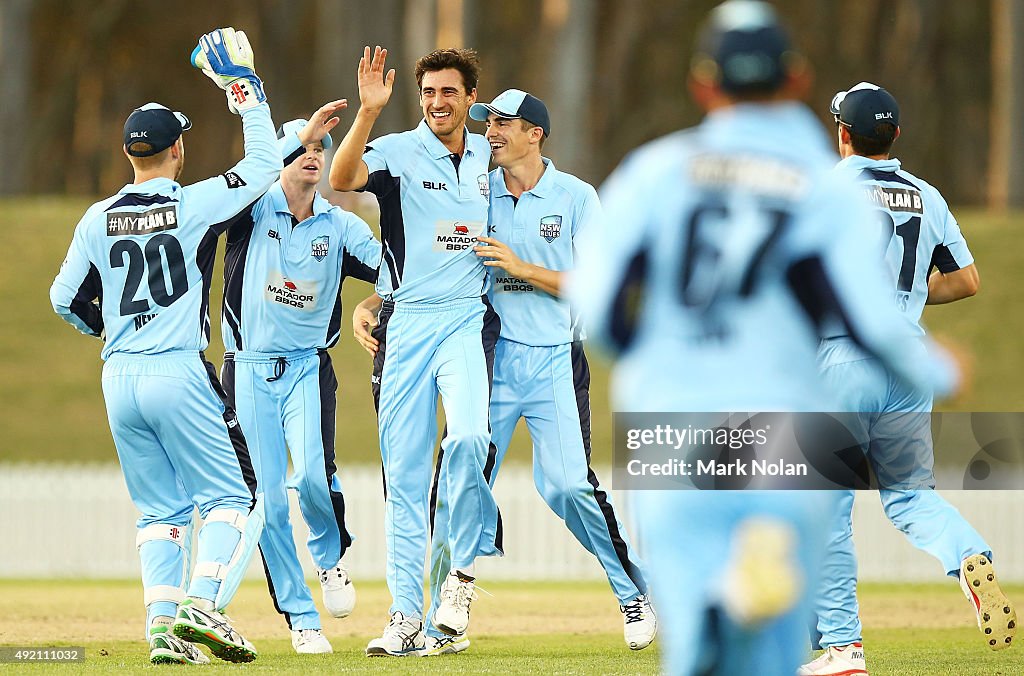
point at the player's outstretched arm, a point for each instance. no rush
(364, 321)
(77, 286)
(225, 56)
(497, 254)
(348, 171)
(947, 287)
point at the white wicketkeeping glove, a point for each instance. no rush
(225, 56)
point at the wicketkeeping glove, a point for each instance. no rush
(225, 56)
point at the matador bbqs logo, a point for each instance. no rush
(297, 294)
(550, 228)
(456, 235)
(319, 247)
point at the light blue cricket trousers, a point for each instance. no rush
(286, 402)
(898, 441)
(686, 540)
(179, 446)
(428, 350)
(549, 387)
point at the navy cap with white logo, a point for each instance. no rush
(514, 104)
(863, 107)
(295, 126)
(155, 125)
(745, 46)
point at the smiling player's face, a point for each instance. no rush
(445, 101)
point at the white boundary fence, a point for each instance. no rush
(78, 522)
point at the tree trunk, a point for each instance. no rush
(15, 66)
(1006, 158)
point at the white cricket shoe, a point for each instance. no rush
(339, 592)
(640, 624)
(166, 648)
(197, 624)
(837, 660)
(452, 614)
(762, 580)
(997, 618)
(402, 637)
(310, 642)
(446, 645)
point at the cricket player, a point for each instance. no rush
(537, 214)
(138, 276)
(921, 234)
(288, 254)
(431, 183)
(726, 250)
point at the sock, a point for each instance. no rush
(201, 603)
(160, 624)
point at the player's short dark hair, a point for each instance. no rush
(464, 60)
(527, 126)
(878, 144)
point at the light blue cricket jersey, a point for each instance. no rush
(282, 278)
(147, 252)
(921, 230)
(725, 251)
(430, 215)
(541, 228)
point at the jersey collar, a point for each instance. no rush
(543, 188)
(858, 162)
(433, 144)
(280, 202)
(154, 186)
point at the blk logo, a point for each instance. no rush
(430, 185)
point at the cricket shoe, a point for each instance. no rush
(997, 618)
(837, 660)
(445, 645)
(339, 592)
(762, 580)
(166, 648)
(640, 624)
(310, 642)
(457, 593)
(212, 629)
(402, 637)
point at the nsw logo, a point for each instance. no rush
(550, 228)
(319, 247)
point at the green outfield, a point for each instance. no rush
(53, 408)
(523, 628)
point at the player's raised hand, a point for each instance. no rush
(374, 86)
(322, 122)
(225, 56)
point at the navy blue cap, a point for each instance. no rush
(863, 107)
(747, 46)
(155, 125)
(514, 104)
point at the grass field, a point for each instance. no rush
(53, 408)
(568, 628)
